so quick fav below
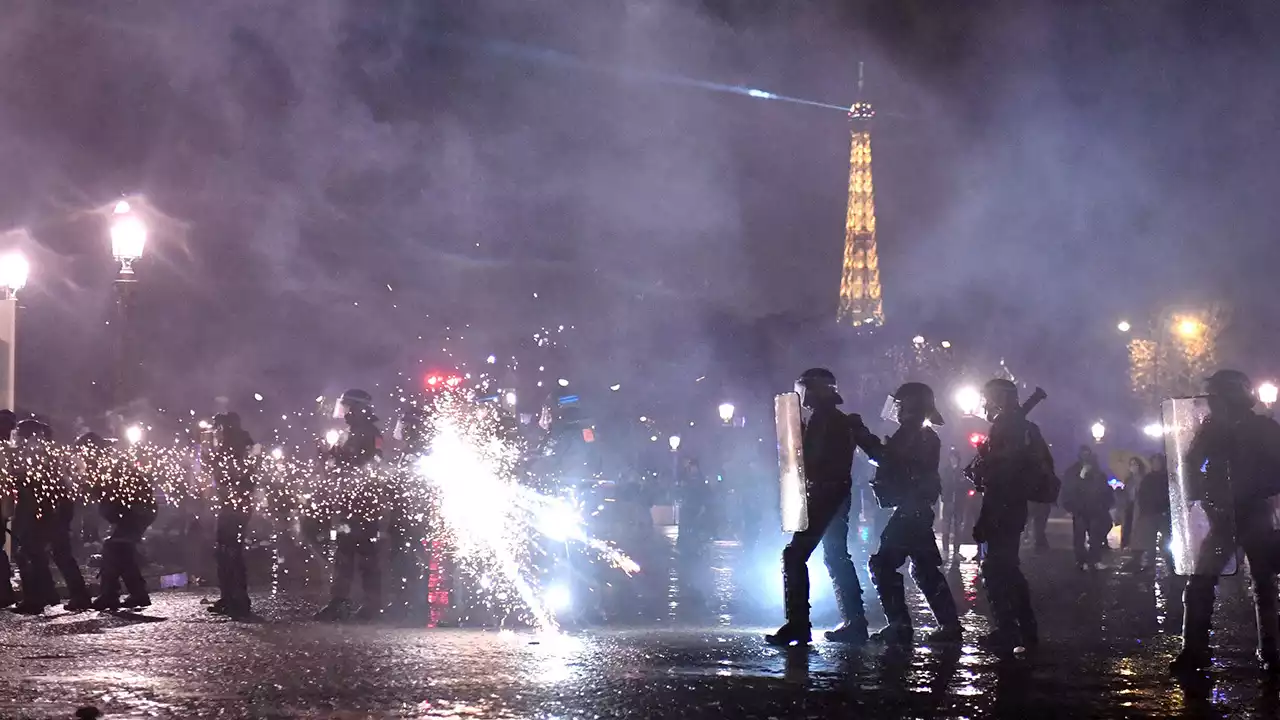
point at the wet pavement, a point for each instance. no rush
(678, 643)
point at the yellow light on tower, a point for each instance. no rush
(860, 295)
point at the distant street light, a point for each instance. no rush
(14, 270)
(726, 413)
(562, 382)
(674, 442)
(1124, 326)
(1154, 431)
(133, 434)
(1189, 327)
(1099, 431)
(917, 340)
(969, 400)
(1267, 393)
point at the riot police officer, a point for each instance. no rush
(1012, 468)
(829, 440)
(42, 522)
(1239, 453)
(231, 462)
(353, 462)
(908, 481)
(128, 504)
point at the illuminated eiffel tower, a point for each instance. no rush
(860, 303)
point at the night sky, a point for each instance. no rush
(1042, 170)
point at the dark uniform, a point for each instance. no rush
(907, 480)
(231, 465)
(352, 462)
(829, 440)
(42, 523)
(1014, 457)
(128, 504)
(1239, 452)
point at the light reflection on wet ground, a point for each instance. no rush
(687, 646)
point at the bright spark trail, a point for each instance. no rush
(555, 57)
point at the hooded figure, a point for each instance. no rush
(907, 480)
(829, 439)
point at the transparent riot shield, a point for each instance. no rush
(795, 501)
(1203, 540)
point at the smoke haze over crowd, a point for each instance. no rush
(342, 177)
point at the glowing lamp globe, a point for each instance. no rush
(14, 270)
(674, 442)
(1099, 431)
(969, 400)
(1267, 393)
(726, 412)
(128, 235)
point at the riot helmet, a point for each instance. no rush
(92, 440)
(33, 430)
(817, 386)
(353, 402)
(998, 396)
(227, 421)
(1230, 390)
(912, 402)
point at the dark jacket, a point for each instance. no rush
(907, 473)
(828, 450)
(1240, 460)
(1015, 452)
(1085, 489)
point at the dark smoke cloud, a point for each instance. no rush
(1041, 168)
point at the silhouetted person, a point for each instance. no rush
(230, 462)
(907, 480)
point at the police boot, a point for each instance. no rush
(1196, 620)
(1268, 616)
(941, 603)
(893, 599)
(795, 591)
(853, 618)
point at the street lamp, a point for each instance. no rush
(969, 400)
(1124, 326)
(133, 434)
(674, 442)
(128, 241)
(1099, 431)
(1267, 393)
(726, 413)
(14, 270)
(1189, 328)
(128, 237)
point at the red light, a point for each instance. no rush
(972, 492)
(976, 439)
(432, 380)
(588, 435)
